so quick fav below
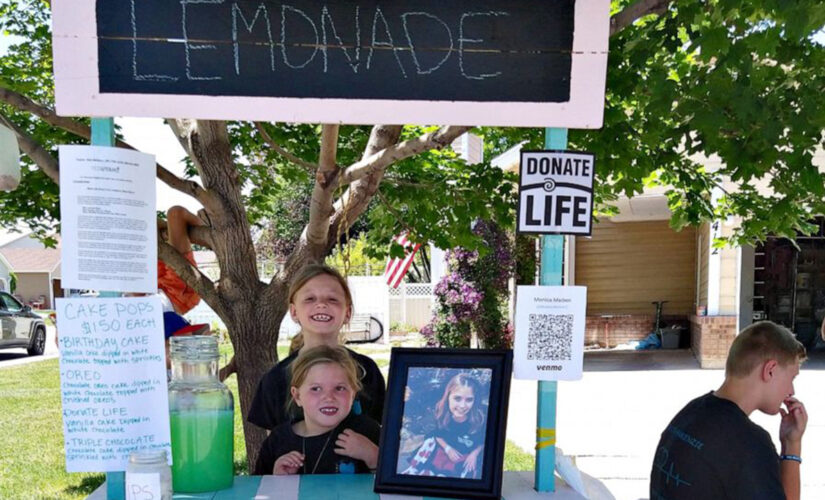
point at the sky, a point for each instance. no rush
(5, 41)
(151, 135)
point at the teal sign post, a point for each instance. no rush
(103, 134)
(552, 259)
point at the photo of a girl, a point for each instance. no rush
(447, 438)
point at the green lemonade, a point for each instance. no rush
(202, 449)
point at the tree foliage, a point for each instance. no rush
(718, 95)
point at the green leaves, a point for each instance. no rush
(734, 86)
(437, 196)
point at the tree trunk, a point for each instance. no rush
(253, 330)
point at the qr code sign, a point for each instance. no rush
(550, 337)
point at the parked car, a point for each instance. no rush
(20, 326)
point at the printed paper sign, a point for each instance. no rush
(555, 192)
(108, 219)
(549, 332)
(112, 380)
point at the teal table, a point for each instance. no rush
(517, 486)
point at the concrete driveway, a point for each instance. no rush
(610, 421)
(12, 357)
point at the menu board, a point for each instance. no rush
(112, 380)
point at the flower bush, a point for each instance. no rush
(472, 296)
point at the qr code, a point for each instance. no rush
(550, 337)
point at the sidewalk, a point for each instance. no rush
(610, 421)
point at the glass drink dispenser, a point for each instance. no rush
(201, 415)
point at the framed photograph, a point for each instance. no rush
(445, 417)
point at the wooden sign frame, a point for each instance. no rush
(77, 85)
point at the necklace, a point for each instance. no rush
(320, 454)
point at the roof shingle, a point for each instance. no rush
(32, 260)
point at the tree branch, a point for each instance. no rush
(631, 13)
(23, 103)
(190, 274)
(320, 207)
(382, 159)
(309, 166)
(381, 137)
(224, 207)
(80, 129)
(181, 133)
(185, 186)
(355, 200)
(47, 163)
(200, 234)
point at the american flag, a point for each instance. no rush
(397, 268)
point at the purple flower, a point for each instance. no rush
(460, 293)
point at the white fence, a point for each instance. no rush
(410, 304)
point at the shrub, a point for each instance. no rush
(472, 296)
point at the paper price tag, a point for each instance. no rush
(142, 486)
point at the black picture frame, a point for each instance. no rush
(492, 369)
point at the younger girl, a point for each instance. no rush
(455, 448)
(329, 440)
(319, 301)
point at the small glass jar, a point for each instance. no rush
(148, 474)
(201, 417)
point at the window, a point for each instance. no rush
(11, 303)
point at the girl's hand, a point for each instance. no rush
(290, 463)
(451, 452)
(358, 446)
(471, 461)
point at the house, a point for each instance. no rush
(37, 268)
(38, 274)
(5, 275)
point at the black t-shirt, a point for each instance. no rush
(268, 408)
(459, 435)
(711, 449)
(318, 450)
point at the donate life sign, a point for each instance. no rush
(556, 192)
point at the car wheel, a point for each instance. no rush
(39, 343)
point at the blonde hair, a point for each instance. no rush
(321, 355)
(760, 342)
(304, 275)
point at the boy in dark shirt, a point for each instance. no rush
(711, 449)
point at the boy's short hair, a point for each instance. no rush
(760, 342)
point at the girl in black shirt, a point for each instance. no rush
(329, 439)
(455, 448)
(320, 301)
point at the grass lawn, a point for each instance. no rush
(31, 444)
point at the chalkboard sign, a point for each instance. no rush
(470, 62)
